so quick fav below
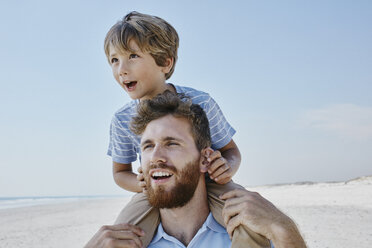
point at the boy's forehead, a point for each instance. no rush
(118, 48)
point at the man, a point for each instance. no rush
(175, 144)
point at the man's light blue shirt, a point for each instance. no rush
(211, 234)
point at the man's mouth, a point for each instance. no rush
(158, 175)
(161, 176)
(130, 85)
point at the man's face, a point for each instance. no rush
(170, 162)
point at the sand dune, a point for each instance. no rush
(328, 214)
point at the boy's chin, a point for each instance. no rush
(134, 96)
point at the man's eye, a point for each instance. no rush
(114, 60)
(147, 146)
(133, 55)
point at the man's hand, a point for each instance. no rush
(218, 169)
(243, 207)
(117, 236)
(141, 180)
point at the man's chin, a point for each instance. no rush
(171, 197)
(168, 200)
(177, 192)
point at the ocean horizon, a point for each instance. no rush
(28, 201)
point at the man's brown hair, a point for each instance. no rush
(151, 33)
(177, 105)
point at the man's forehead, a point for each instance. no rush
(167, 128)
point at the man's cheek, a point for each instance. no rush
(146, 176)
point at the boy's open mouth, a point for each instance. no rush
(130, 85)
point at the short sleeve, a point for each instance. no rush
(122, 146)
(221, 131)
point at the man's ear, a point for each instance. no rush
(204, 155)
(168, 65)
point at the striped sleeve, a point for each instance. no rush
(122, 146)
(221, 131)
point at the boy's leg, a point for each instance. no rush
(242, 237)
(139, 212)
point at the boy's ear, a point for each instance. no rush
(204, 164)
(168, 65)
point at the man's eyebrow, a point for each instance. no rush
(169, 138)
(146, 142)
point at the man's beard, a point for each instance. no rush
(181, 193)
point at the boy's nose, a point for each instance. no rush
(123, 69)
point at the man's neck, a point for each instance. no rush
(184, 222)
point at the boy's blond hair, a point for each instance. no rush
(151, 33)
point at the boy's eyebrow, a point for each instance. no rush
(112, 54)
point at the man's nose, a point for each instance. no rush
(158, 155)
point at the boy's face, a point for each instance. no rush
(137, 72)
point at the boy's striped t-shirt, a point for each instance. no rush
(125, 145)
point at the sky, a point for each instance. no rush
(293, 78)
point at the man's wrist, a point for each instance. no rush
(285, 234)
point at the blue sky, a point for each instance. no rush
(293, 77)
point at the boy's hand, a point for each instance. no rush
(218, 169)
(141, 180)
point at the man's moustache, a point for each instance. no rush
(162, 166)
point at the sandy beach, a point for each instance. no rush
(328, 215)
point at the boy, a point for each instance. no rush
(142, 52)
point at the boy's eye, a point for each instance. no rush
(172, 144)
(114, 60)
(133, 55)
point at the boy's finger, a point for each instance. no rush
(140, 177)
(140, 170)
(220, 171)
(216, 154)
(142, 184)
(216, 164)
(223, 179)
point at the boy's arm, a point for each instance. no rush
(125, 177)
(224, 163)
(232, 155)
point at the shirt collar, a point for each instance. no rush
(212, 224)
(209, 223)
